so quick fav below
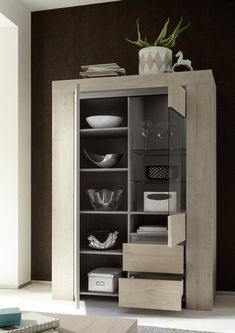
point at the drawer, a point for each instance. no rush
(153, 258)
(176, 229)
(151, 294)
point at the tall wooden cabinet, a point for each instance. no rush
(157, 274)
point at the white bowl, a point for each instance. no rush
(104, 121)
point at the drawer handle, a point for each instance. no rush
(99, 283)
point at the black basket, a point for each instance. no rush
(160, 172)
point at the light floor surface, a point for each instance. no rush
(37, 297)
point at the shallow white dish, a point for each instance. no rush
(104, 121)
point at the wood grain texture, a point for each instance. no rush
(62, 196)
(161, 81)
(177, 98)
(176, 229)
(153, 258)
(201, 196)
(150, 294)
(92, 324)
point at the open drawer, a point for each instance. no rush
(153, 258)
(151, 294)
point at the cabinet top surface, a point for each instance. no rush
(136, 81)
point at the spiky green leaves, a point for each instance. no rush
(141, 43)
(162, 40)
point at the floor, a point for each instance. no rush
(37, 297)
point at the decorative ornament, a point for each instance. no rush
(182, 64)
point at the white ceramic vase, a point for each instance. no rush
(155, 59)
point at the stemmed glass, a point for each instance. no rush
(146, 130)
(173, 128)
(160, 129)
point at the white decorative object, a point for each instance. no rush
(104, 121)
(160, 201)
(182, 62)
(104, 279)
(155, 59)
(103, 161)
(108, 244)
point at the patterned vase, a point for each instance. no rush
(154, 59)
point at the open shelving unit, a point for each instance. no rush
(102, 141)
(129, 174)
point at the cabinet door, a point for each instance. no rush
(177, 98)
(176, 229)
(63, 181)
(177, 164)
(76, 199)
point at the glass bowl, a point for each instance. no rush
(105, 199)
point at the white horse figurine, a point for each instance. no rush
(182, 62)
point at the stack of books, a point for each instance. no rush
(150, 234)
(12, 321)
(101, 70)
(152, 230)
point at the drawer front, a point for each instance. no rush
(151, 294)
(176, 229)
(153, 258)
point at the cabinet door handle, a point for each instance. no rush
(100, 283)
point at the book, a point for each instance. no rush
(146, 227)
(101, 70)
(32, 322)
(154, 232)
(112, 65)
(10, 317)
(85, 74)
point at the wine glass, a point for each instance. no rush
(146, 130)
(173, 129)
(160, 129)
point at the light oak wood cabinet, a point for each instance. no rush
(158, 274)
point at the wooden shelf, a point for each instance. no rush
(93, 293)
(104, 132)
(159, 152)
(111, 252)
(104, 170)
(108, 212)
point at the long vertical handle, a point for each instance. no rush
(75, 196)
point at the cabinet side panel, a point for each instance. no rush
(201, 197)
(62, 195)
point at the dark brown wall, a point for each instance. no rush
(64, 39)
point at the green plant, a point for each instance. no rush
(162, 40)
